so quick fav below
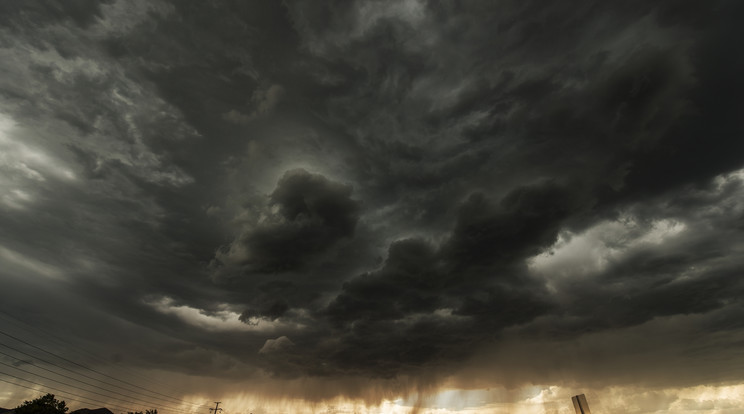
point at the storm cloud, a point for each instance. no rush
(384, 191)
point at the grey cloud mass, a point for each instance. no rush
(378, 190)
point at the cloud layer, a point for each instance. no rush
(479, 193)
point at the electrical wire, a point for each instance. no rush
(81, 351)
(99, 373)
(68, 377)
(83, 389)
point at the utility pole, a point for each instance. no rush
(216, 408)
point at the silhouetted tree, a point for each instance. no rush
(42, 405)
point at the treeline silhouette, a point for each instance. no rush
(47, 404)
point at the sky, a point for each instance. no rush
(382, 206)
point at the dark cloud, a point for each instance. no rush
(475, 280)
(82, 13)
(525, 222)
(312, 215)
(410, 282)
(393, 189)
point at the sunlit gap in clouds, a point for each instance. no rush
(25, 265)
(225, 319)
(590, 252)
(24, 167)
(27, 160)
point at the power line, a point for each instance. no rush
(97, 372)
(83, 382)
(83, 389)
(77, 373)
(80, 350)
